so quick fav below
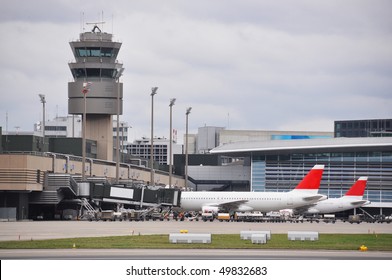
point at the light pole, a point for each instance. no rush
(43, 101)
(153, 92)
(188, 111)
(118, 75)
(85, 90)
(172, 101)
(122, 141)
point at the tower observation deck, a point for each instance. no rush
(96, 63)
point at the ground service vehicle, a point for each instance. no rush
(355, 219)
(223, 217)
(207, 216)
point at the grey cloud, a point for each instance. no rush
(252, 64)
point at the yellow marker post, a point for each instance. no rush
(363, 248)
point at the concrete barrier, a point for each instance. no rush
(246, 234)
(259, 238)
(190, 237)
(303, 235)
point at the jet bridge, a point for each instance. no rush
(140, 196)
(64, 192)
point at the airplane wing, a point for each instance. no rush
(360, 202)
(235, 204)
(314, 198)
(303, 209)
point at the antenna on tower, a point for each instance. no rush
(102, 22)
(95, 26)
(81, 22)
(112, 23)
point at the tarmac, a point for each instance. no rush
(36, 230)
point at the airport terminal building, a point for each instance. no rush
(265, 165)
(276, 164)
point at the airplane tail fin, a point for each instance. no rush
(358, 189)
(311, 182)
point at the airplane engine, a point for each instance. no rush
(312, 210)
(244, 208)
(210, 209)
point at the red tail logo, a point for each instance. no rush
(358, 188)
(312, 180)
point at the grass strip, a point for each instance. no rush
(374, 242)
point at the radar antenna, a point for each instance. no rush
(95, 26)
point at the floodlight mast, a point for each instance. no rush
(43, 101)
(85, 90)
(118, 75)
(172, 101)
(188, 111)
(153, 92)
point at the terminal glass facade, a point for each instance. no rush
(283, 172)
(363, 128)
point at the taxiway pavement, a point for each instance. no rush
(38, 230)
(28, 230)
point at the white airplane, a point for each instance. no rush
(353, 198)
(305, 193)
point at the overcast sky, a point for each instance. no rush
(245, 64)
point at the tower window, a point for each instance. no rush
(79, 72)
(107, 73)
(96, 52)
(93, 72)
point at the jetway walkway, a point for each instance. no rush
(89, 199)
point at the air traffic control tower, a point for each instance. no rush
(96, 63)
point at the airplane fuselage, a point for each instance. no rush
(333, 205)
(245, 201)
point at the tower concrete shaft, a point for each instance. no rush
(96, 63)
